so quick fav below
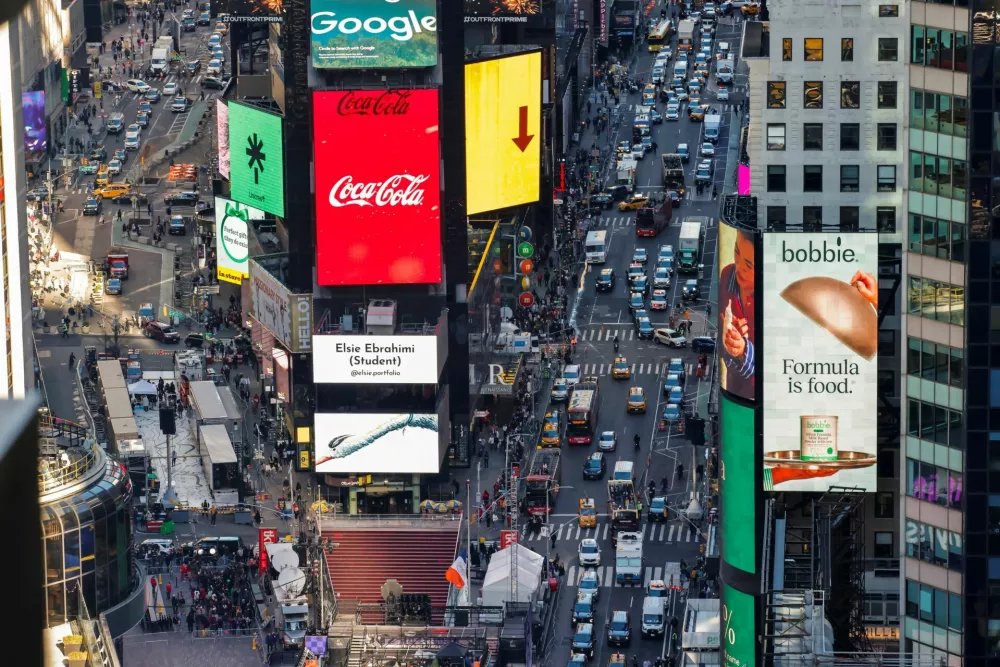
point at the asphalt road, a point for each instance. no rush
(599, 317)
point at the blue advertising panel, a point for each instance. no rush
(35, 136)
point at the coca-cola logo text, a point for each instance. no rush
(384, 103)
(398, 190)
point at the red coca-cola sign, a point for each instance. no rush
(378, 190)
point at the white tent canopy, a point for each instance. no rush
(142, 388)
(496, 584)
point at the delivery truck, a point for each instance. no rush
(689, 244)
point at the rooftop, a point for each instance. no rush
(756, 39)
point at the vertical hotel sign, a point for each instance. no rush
(604, 22)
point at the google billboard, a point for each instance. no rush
(374, 34)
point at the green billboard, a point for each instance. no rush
(738, 519)
(737, 625)
(257, 165)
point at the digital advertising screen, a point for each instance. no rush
(248, 11)
(348, 442)
(820, 361)
(378, 213)
(256, 167)
(743, 179)
(738, 627)
(374, 34)
(222, 135)
(33, 109)
(232, 235)
(375, 359)
(504, 11)
(735, 309)
(503, 103)
(738, 518)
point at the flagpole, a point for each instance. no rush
(468, 531)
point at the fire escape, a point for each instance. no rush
(843, 514)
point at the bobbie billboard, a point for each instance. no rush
(820, 361)
(373, 34)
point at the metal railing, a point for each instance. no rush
(54, 478)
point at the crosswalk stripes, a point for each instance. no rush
(615, 221)
(606, 575)
(597, 335)
(663, 533)
(637, 369)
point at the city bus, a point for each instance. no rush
(541, 484)
(583, 405)
(651, 220)
(659, 35)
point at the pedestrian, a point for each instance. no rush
(72, 361)
(214, 514)
(173, 458)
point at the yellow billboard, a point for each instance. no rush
(503, 107)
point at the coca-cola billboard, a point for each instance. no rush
(378, 192)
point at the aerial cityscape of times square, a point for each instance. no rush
(425, 333)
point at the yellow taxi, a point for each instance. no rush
(697, 113)
(633, 203)
(617, 660)
(750, 9)
(588, 513)
(551, 431)
(103, 176)
(620, 370)
(113, 190)
(636, 401)
(624, 148)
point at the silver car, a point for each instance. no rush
(661, 277)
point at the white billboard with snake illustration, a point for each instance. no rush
(349, 442)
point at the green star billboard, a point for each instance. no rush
(257, 165)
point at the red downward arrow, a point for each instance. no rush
(523, 138)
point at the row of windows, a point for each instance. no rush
(886, 138)
(934, 545)
(812, 47)
(937, 238)
(933, 605)
(935, 112)
(942, 49)
(936, 300)
(935, 362)
(850, 94)
(933, 484)
(850, 218)
(850, 178)
(940, 176)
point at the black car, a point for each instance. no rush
(595, 466)
(618, 192)
(92, 206)
(195, 340)
(605, 280)
(187, 198)
(204, 18)
(703, 344)
(127, 198)
(176, 226)
(190, 25)
(620, 628)
(193, 66)
(602, 200)
(216, 82)
(641, 285)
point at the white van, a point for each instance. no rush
(596, 246)
(681, 68)
(623, 470)
(572, 374)
(654, 617)
(116, 123)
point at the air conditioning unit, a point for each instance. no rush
(381, 317)
(887, 270)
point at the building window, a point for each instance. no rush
(888, 49)
(931, 544)
(886, 137)
(886, 178)
(847, 49)
(812, 178)
(935, 362)
(850, 136)
(942, 49)
(884, 545)
(850, 94)
(775, 136)
(885, 219)
(812, 94)
(931, 483)
(776, 218)
(813, 48)
(850, 178)
(775, 94)
(775, 178)
(933, 605)
(886, 346)
(936, 301)
(812, 218)
(888, 11)
(812, 136)
(786, 49)
(887, 94)
(939, 176)
(937, 238)
(850, 218)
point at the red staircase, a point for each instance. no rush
(366, 558)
